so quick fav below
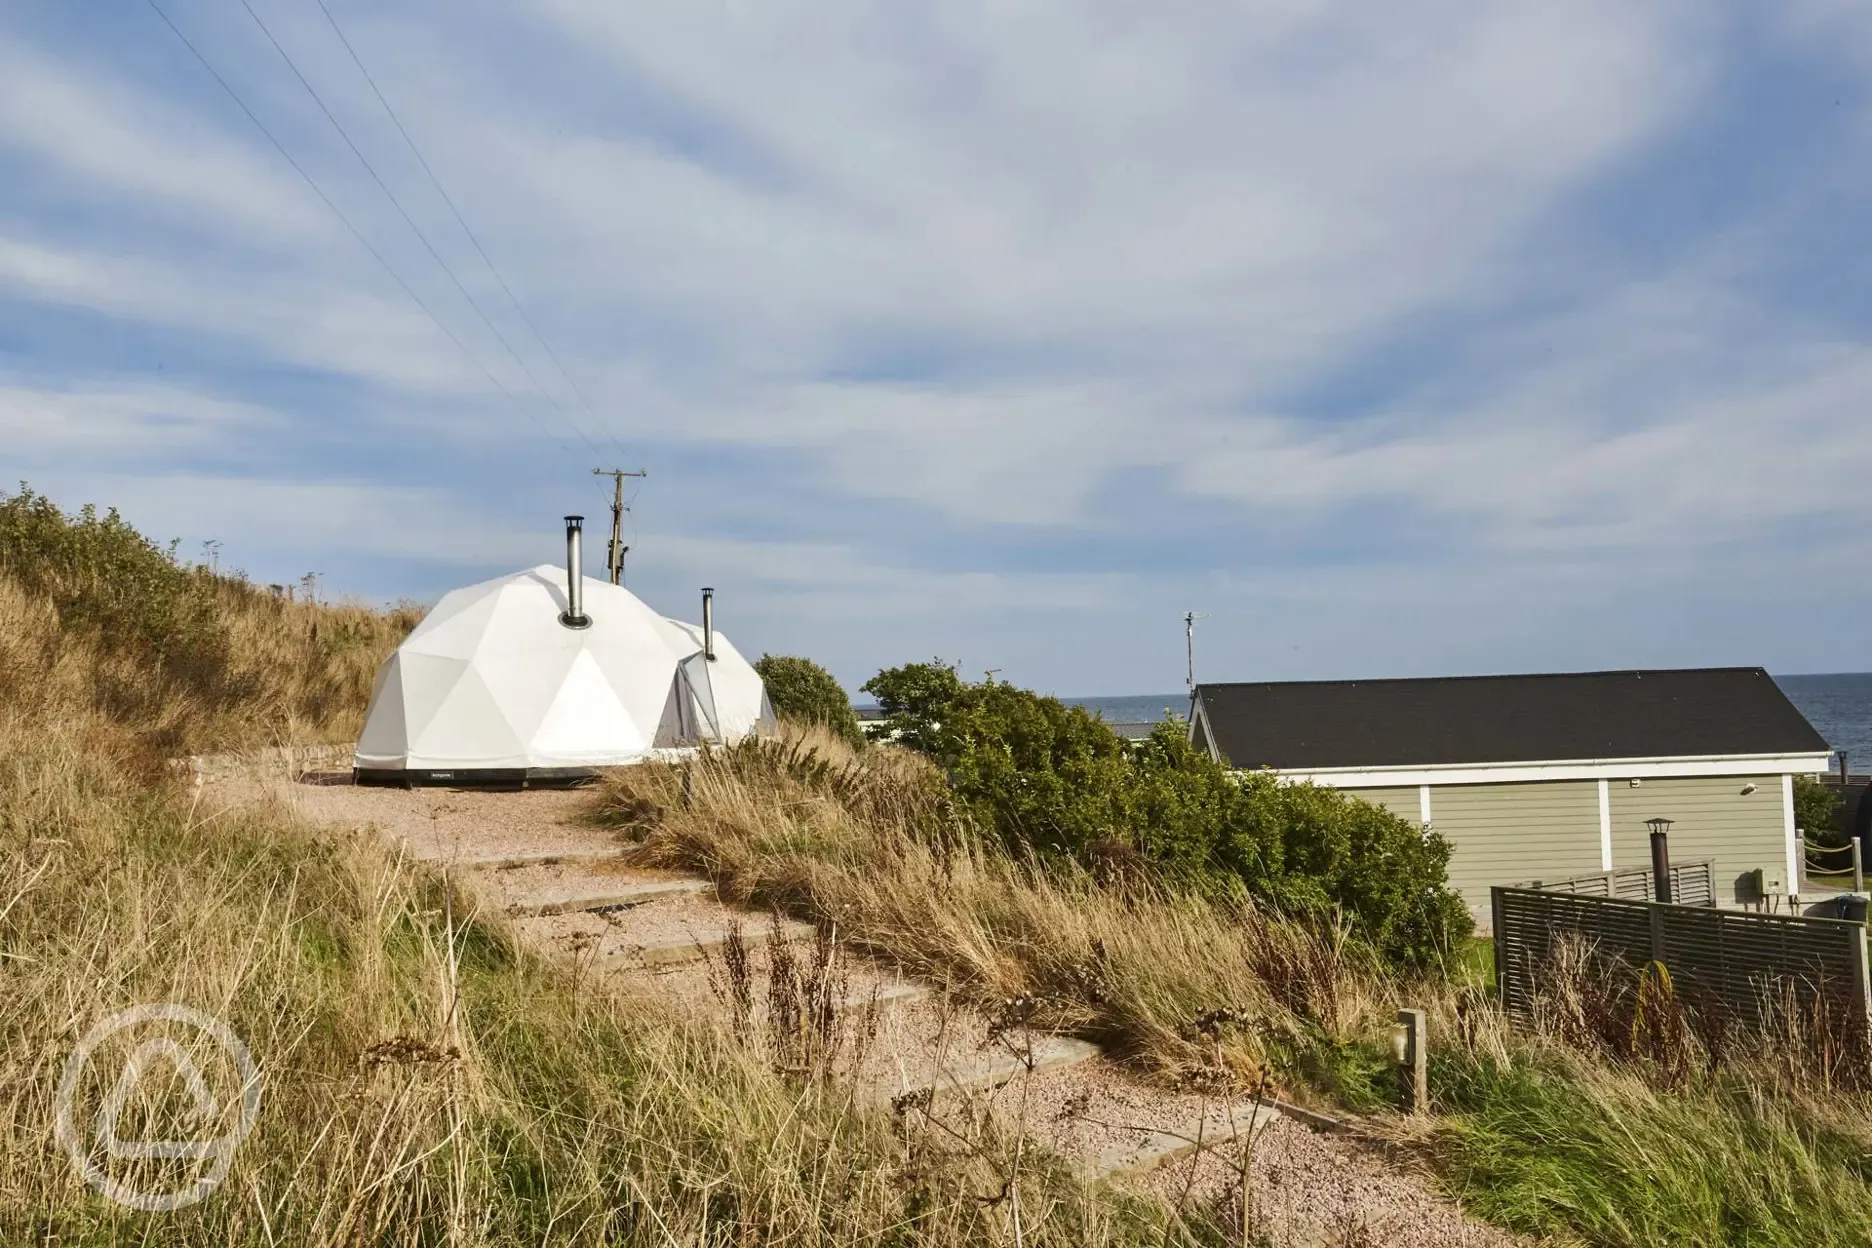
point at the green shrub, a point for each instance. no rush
(800, 689)
(1054, 779)
(1816, 811)
(914, 699)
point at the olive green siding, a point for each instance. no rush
(1712, 818)
(1407, 802)
(1513, 833)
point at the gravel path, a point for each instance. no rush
(1307, 1188)
(442, 825)
(1311, 1188)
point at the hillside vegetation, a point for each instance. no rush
(1053, 781)
(1618, 1119)
(173, 656)
(425, 1081)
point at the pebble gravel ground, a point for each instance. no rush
(1311, 1188)
(443, 825)
(1306, 1187)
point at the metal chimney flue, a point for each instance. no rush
(574, 615)
(1660, 858)
(708, 624)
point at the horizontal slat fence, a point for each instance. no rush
(1735, 957)
(1692, 883)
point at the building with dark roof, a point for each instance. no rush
(1547, 776)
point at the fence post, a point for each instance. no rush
(1495, 935)
(1863, 973)
(1858, 866)
(1415, 1059)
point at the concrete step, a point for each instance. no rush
(885, 998)
(672, 950)
(546, 858)
(996, 1065)
(606, 896)
(1155, 1148)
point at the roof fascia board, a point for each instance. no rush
(1197, 712)
(1596, 769)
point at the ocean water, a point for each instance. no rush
(1143, 709)
(1839, 706)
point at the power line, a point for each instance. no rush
(346, 221)
(462, 221)
(416, 229)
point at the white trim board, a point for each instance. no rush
(1588, 769)
(1605, 825)
(1794, 855)
(1198, 714)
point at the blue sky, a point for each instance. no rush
(1400, 339)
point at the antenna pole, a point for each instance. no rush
(614, 560)
(1189, 646)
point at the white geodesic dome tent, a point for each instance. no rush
(493, 687)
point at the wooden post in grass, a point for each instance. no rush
(1411, 1047)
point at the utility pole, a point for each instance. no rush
(1189, 646)
(615, 562)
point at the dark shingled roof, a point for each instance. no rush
(1563, 717)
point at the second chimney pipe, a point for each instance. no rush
(1843, 775)
(708, 624)
(574, 615)
(1660, 866)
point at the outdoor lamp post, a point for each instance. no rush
(1660, 858)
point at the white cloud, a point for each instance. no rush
(971, 264)
(108, 421)
(1644, 430)
(148, 153)
(301, 316)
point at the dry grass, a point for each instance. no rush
(1186, 989)
(424, 1081)
(288, 673)
(1618, 1118)
(300, 672)
(176, 656)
